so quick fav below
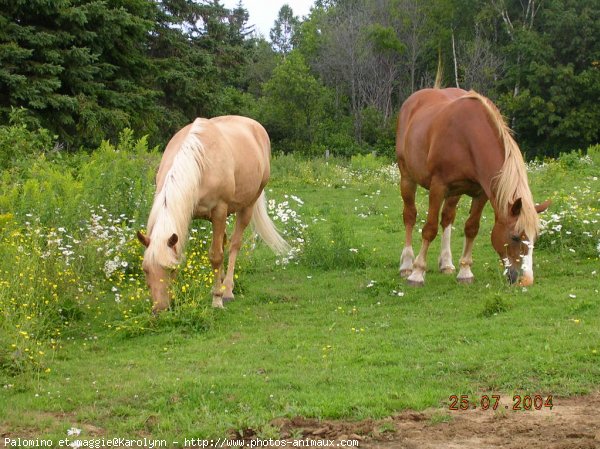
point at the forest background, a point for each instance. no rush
(334, 80)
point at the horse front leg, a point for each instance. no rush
(448, 215)
(408, 189)
(242, 220)
(437, 192)
(465, 275)
(216, 253)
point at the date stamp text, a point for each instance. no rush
(495, 402)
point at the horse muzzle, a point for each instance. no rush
(526, 280)
(513, 275)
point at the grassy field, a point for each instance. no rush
(332, 333)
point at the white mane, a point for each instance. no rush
(173, 206)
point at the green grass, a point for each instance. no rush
(328, 335)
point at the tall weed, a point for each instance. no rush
(332, 248)
(67, 231)
(121, 177)
(18, 142)
(572, 223)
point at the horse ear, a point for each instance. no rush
(515, 209)
(144, 240)
(172, 241)
(539, 208)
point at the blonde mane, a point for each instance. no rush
(173, 206)
(511, 183)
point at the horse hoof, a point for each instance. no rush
(218, 303)
(405, 273)
(447, 270)
(158, 310)
(228, 299)
(466, 281)
(416, 283)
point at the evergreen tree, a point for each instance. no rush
(76, 64)
(199, 50)
(282, 33)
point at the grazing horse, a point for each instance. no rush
(210, 169)
(454, 142)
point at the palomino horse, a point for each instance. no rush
(454, 142)
(210, 169)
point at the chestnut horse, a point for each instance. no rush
(454, 142)
(210, 169)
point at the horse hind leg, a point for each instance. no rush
(448, 215)
(242, 220)
(436, 197)
(408, 189)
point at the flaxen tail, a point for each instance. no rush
(265, 228)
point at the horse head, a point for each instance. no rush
(158, 276)
(514, 245)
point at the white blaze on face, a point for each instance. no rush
(527, 263)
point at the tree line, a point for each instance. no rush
(333, 80)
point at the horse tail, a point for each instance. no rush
(440, 72)
(265, 228)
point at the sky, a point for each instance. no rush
(264, 12)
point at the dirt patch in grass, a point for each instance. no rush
(572, 423)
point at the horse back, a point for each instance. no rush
(247, 139)
(234, 154)
(445, 134)
(239, 159)
(416, 130)
(249, 146)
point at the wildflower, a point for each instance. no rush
(298, 200)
